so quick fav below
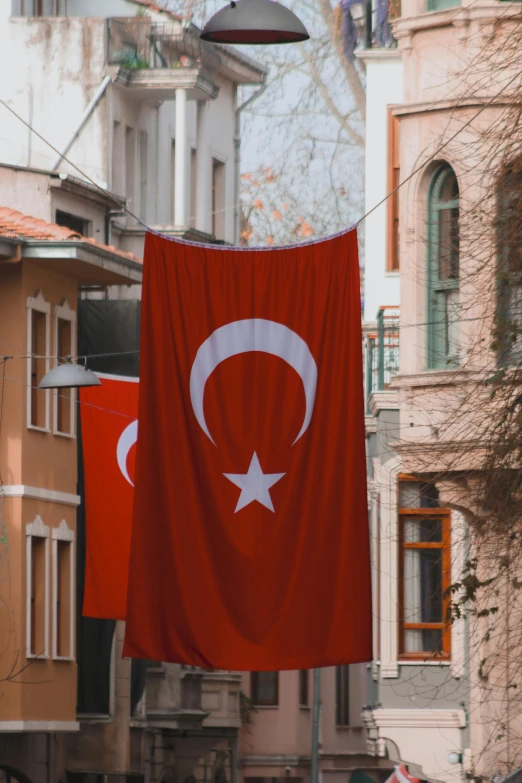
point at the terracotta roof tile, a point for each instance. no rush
(16, 225)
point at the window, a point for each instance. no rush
(218, 199)
(117, 158)
(303, 687)
(144, 144)
(130, 167)
(65, 344)
(424, 573)
(342, 695)
(265, 688)
(193, 187)
(73, 222)
(443, 269)
(440, 5)
(508, 322)
(31, 8)
(63, 592)
(392, 264)
(37, 581)
(38, 349)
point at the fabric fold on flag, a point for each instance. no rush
(250, 543)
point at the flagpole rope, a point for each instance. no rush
(7, 379)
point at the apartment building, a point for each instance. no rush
(132, 97)
(431, 705)
(148, 120)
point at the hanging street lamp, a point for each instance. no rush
(69, 376)
(254, 22)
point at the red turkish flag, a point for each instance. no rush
(401, 775)
(250, 543)
(109, 430)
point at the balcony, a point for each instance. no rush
(381, 351)
(372, 21)
(153, 60)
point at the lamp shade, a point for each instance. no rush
(69, 376)
(254, 22)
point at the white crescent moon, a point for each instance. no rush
(252, 334)
(127, 440)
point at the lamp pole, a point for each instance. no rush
(316, 716)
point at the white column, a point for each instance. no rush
(181, 183)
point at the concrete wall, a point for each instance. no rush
(41, 689)
(281, 735)
(383, 88)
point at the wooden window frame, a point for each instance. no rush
(64, 312)
(36, 529)
(392, 205)
(65, 534)
(445, 546)
(254, 691)
(438, 328)
(39, 305)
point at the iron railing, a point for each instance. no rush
(382, 352)
(371, 22)
(137, 44)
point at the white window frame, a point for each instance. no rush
(63, 533)
(38, 304)
(386, 479)
(64, 312)
(36, 529)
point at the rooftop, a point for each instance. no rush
(15, 225)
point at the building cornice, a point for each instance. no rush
(436, 719)
(384, 401)
(370, 56)
(404, 109)
(37, 493)
(19, 726)
(116, 268)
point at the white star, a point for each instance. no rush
(254, 485)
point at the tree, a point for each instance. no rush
(309, 123)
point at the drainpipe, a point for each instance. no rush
(85, 116)
(109, 217)
(14, 259)
(237, 160)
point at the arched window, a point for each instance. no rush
(508, 325)
(443, 269)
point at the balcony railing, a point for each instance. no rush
(382, 352)
(136, 44)
(370, 25)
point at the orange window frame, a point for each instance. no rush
(392, 259)
(445, 546)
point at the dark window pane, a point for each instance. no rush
(422, 529)
(417, 494)
(449, 190)
(265, 688)
(303, 688)
(423, 586)
(424, 640)
(342, 695)
(448, 255)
